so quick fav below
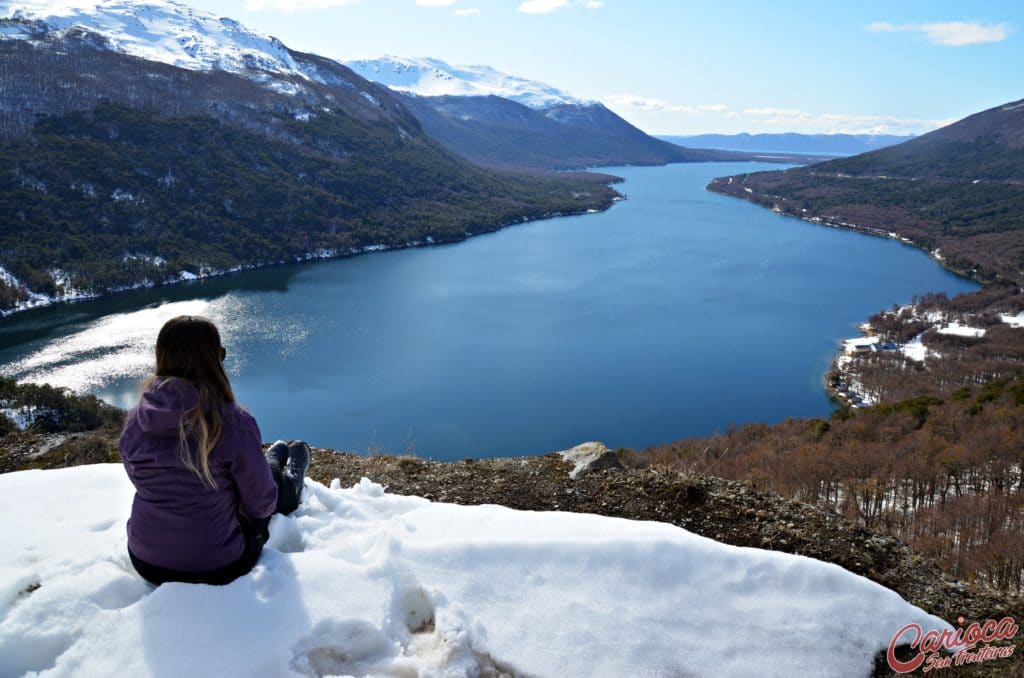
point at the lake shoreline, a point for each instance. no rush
(841, 388)
(820, 220)
(42, 301)
(634, 327)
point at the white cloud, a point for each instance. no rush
(649, 104)
(435, 3)
(769, 118)
(548, 6)
(295, 5)
(466, 11)
(541, 6)
(950, 33)
(840, 123)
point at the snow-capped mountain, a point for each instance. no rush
(479, 112)
(433, 77)
(165, 31)
(221, 149)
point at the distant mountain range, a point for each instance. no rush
(498, 119)
(149, 142)
(957, 192)
(825, 144)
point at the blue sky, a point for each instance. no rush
(676, 66)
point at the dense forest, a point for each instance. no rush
(47, 409)
(944, 475)
(100, 194)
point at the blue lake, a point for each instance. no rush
(672, 314)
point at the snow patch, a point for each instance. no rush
(1013, 320)
(915, 350)
(962, 330)
(150, 258)
(362, 582)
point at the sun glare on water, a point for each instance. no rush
(113, 347)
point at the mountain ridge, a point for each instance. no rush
(494, 131)
(294, 164)
(501, 120)
(165, 31)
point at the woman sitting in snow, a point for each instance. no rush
(204, 491)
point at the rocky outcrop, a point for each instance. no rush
(589, 457)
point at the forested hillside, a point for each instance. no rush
(944, 475)
(117, 171)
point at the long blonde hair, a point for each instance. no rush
(188, 347)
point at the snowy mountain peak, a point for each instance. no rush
(171, 32)
(158, 30)
(433, 77)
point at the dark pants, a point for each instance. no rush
(254, 531)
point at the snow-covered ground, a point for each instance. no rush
(1013, 320)
(361, 582)
(962, 330)
(433, 77)
(915, 349)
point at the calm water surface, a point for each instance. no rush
(674, 313)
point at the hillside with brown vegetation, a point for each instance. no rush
(946, 361)
(943, 475)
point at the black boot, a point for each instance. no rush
(277, 455)
(298, 465)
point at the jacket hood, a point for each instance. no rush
(164, 403)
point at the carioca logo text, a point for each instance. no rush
(954, 640)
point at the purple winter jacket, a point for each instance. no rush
(178, 521)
